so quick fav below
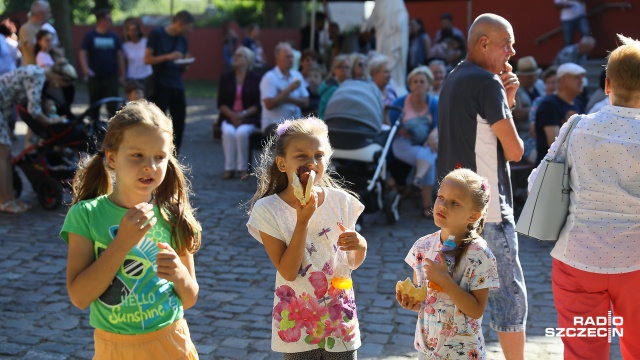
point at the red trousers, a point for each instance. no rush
(583, 300)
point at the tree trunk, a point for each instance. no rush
(293, 14)
(271, 14)
(61, 12)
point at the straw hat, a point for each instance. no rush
(62, 67)
(527, 66)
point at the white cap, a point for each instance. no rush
(571, 69)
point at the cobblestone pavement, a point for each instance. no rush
(232, 317)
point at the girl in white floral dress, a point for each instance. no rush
(450, 318)
(311, 318)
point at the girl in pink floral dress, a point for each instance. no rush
(450, 318)
(311, 319)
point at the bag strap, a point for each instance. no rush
(565, 175)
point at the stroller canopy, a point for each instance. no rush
(355, 105)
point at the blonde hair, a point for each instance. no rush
(93, 177)
(479, 192)
(354, 57)
(421, 70)
(378, 63)
(338, 60)
(270, 179)
(249, 55)
(623, 70)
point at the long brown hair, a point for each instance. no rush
(478, 189)
(39, 35)
(270, 179)
(94, 177)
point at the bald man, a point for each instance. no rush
(40, 13)
(576, 53)
(477, 132)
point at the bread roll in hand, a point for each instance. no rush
(407, 287)
(303, 184)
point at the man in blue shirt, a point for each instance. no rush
(167, 51)
(557, 108)
(102, 61)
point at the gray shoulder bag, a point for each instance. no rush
(547, 206)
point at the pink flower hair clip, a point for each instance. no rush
(485, 187)
(282, 128)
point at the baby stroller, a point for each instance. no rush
(354, 116)
(51, 162)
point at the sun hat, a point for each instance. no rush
(62, 67)
(527, 66)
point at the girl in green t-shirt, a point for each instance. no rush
(131, 245)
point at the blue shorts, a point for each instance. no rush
(509, 302)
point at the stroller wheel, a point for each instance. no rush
(391, 206)
(17, 184)
(50, 193)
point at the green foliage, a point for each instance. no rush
(211, 13)
(82, 11)
(242, 12)
(204, 89)
(10, 6)
(246, 12)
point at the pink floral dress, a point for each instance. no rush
(308, 313)
(442, 330)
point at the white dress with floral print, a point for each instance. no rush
(443, 331)
(308, 312)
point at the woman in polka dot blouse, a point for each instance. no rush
(596, 261)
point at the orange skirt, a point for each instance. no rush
(171, 343)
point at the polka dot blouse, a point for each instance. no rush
(602, 232)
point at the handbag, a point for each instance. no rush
(545, 211)
(418, 129)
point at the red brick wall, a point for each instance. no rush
(531, 19)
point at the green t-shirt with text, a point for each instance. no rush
(137, 301)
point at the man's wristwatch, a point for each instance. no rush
(514, 106)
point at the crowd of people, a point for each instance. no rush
(466, 114)
(304, 81)
(35, 74)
